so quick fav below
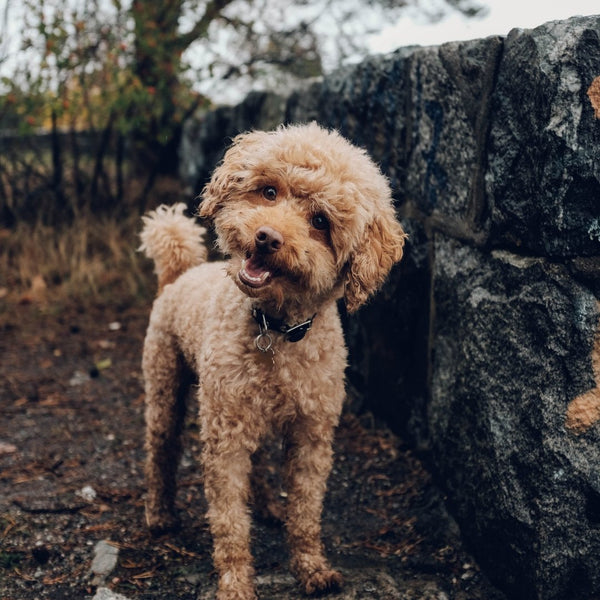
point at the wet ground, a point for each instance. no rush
(71, 475)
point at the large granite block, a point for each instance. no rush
(543, 179)
(512, 341)
(449, 108)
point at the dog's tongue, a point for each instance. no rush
(254, 272)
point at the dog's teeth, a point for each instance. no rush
(253, 279)
(257, 279)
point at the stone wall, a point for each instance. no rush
(482, 349)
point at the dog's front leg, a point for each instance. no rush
(308, 464)
(227, 468)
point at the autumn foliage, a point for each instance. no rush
(93, 115)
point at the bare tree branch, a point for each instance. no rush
(199, 30)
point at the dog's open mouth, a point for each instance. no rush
(254, 272)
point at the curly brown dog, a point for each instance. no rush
(305, 218)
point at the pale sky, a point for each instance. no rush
(416, 26)
(502, 16)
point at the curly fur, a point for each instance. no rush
(305, 219)
(171, 240)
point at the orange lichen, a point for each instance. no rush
(594, 96)
(584, 410)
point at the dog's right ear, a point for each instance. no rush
(212, 195)
(229, 177)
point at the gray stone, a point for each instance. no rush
(512, 340)
(103, 593)
(104, 561)
(544, 165)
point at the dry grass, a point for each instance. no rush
(94, 259)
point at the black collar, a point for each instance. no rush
(292, 333)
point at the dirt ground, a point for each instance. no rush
(71, 455)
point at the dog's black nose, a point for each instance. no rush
(268, 240)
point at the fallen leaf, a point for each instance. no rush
(6, 448)
(103, 364)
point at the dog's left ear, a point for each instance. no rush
(380, 248)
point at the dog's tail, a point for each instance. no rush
(173, 241)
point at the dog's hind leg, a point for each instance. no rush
(166, 383)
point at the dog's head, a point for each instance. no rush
(303, 214)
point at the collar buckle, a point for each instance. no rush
(297, 332)
(292, 333)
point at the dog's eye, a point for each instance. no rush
(319, 221)
(269, 192)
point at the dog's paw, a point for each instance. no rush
(323, 582)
